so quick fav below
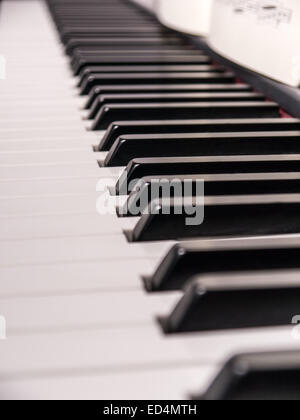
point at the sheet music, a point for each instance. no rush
(189, 16)
(262, 35)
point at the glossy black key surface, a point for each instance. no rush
(127, 41)
(188, 259)
(157, 70)
(79, 63)
(223, 216)
(77, 28)
(201, 110)
(120, 128)
(147, 167)
(215, 185)
(143, 50)
(153, 78)
(96, 27)
(162, 68)
(91, 70)
(213, 307)
(172, 97)
(148, 31)
(79, 32)
(166, 88)
(120, 40)
(109, 55)
(85, 22)
(268, 376)
(131, 147)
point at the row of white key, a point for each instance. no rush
(79, 324)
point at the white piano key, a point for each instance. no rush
(155, 383)
(33, 108)
(20, 96)
(83, 152)
(57, 135)
(23, 93)
(102, 310)
(71, 204)
(51, 204)
(83, 248)
(14, 173)
(47, 132)
(74, 277)
(37, 114)
(51, 226)
(113, 349)
(75, 168)
(22, 86)
(41, 123)
(42, 144)
(13, 193)
(48, 187)
(81, 101)
(45, 100)
(70, 282)
(84, 114)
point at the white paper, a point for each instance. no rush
(149, 4)
(189, 16)
(260, 35)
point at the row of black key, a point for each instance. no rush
(169, 111)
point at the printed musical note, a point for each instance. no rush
(271, 12)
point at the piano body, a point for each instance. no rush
(98, 301)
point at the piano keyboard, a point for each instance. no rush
(140, 306)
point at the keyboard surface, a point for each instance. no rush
(143, 306)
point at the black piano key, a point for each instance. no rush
(131, 147)
(79, 63)
(268, 376)
(88, 9)
(174, 111)
(79, 19)
(108, 55)
(172, 97)
(144, 31)
(188, 259)
(139, 168)
(215, 185)
(74, 8)
(215, 307)
(111, 56)
(83, 44)
(143, 50)
(78, 30)
(224, 216)
(120, 128)
(167, 88)
(162, 68)
(96, 28)
(85, 74)
(153, 78)
(122, 39)
(140, 68)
